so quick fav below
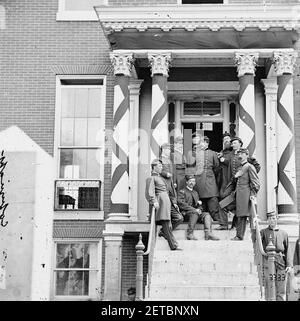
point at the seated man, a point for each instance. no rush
(190, 205)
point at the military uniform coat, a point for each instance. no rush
(224, 174)
(247, 185)
(179, 169)
(205, 163)
(188, 201)
(157, 191)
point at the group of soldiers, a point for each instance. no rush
(190, 188)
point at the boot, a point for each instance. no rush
(191, 225)
(207, 229)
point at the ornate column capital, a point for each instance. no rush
(159, 63)
(122, 63)
(245, 63)
(284, 62)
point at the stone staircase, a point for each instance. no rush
(204, 270)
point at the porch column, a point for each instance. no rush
(135, 85)
(246, 70)
(159, 110)
(271, 87)
(178, 131)
(284, 64)
(122, 64)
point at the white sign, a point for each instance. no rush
(208, 126)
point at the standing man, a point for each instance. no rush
(247, 187)
(167, 174)
(179, 163)
(157, 195)
(189, 203)
(283, 259)
(296, 262)
(206, 163)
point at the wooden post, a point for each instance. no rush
(271, 271)
(139, 269)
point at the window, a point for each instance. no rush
(76, 271)
(202, 108)
(80, 142)
(78, 9)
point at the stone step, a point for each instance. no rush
(199, 234)
(205, 292)
(204, 279)
(201, 267)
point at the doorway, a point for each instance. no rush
(213, 130)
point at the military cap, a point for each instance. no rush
(188, 177)
(156, 161)
(226, 134)
(237, 138)
(273, 213)
(244, 150)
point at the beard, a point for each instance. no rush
(227, 145)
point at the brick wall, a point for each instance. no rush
(129, 262)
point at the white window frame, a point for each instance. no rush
(91, 214)
(76, 15)
(99, 245)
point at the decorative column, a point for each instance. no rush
(120, 163)
(246, 71)
(271, 87)
(177, 130)
(134, 134)
(226, 114)
(284, 64)
(159, 110)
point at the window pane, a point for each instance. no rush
(67, 132)
(81, 102)
(93, 167)
(80, 137)
(80, 163)
(61, 282)
(94, 102)
(67, 102)
(94, 131)
(66, 163)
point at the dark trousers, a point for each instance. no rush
(176, 218)
(211, 205)
(201, 218)
(167, 231)
(241, 223)
(223, 217)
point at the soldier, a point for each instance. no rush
(247, 187)
(283, 259)
(190, 205)
(157, 195)
(296, 262)
(180, 163)
(205, 164)
(167, 174)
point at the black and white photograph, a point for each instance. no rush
(150, 152)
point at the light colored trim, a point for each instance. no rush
(80, 214)
(204, 53)
(86, 215)
(192, 17)
(75, 15)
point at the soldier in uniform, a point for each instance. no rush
(167, 174)
(179, 162)
(205, 164)
(283, 258)
(157, 195)
(247, 187)
(190, 205)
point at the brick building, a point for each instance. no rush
(99, 85)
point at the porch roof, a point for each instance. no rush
(200, 26)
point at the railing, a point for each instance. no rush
(259, 252)
(140, 253)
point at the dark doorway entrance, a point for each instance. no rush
(212, 130)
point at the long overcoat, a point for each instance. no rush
(247, 185)
(205, 162)
(157, 191)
